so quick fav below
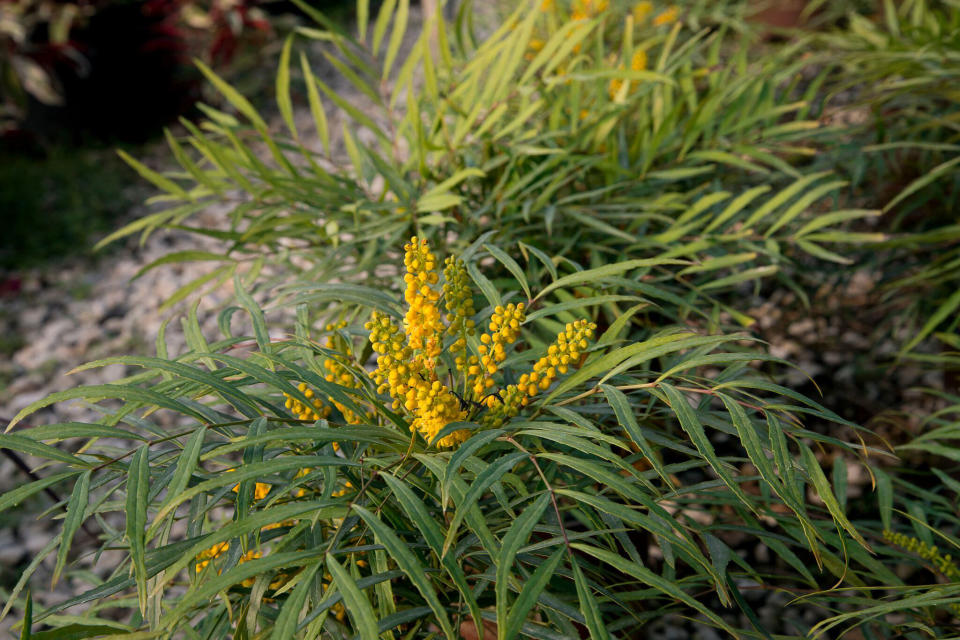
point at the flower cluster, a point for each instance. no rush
(407, 365)
(584, 9)
(565, 352)
(260, 489)
(208, 555)
(942, 563)
(307, 412)
(338, 372)
(410, 370)
(637, 63)
(458, 300)
(504, 328)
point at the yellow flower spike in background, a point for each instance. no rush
(669, 16)
(260, 490)
(942, 563)
(305, 412)
(638, 62)
(209, 554)
(339, 373)
(642, 11)
(458, 300)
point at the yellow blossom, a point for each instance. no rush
(504, 328)
(565, 352)
(316, 410)
(668, 16)
(638, 62)
(407, 365)
(641, 11)
(260, 490)
(209, 554)
(339, 373)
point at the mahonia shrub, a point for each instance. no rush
(635, 130)
(432, 463)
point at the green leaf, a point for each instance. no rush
(588, 606)
(357, 605)
(409, 564)
(283, 88)
(285, 628)
(822, 486)
(380, 26)
(782, 197)
(529, 594)
(233, 96)
(937, 172)
(158, 180)
(316, 105)
(944, 311)
(594, 276)
(659, 583)
(16, 442)
(92, 392)
(27, 626)
(396, 38)
(486, 287)
(256, 314)
(487, 477)
(186, 463)
(15, 496)
(511, 266)
(138, 483)
(516, 536)
(464, 451)
(76, 514)
(691, 425)
(203, 592)
(417, 512)
(363, 18)
(619, 360)
(625, 416)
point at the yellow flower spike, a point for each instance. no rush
(668, 16)
(559, 354)
(642, 11)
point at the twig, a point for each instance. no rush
(553, 496)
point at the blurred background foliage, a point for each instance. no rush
(673, 173)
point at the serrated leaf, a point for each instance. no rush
(409, 564)
(691, 425)
(825, 491)
(511, 266)
(357, 605)
(516, 536)
(487, 477)
(76, 514)
(593, 276)
(588, 605)
(531, 591)
(138, 482)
